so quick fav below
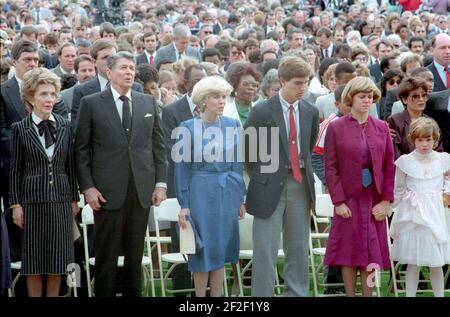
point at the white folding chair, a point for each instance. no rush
(168, 210)
(87, 218)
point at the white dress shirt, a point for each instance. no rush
(103, 82)
(191, 104)
(441, 71)
(36, 121)
(119, 107)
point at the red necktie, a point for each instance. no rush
(151, 60)
(293, 149)
(447, 74)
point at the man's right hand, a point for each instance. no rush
(93, 197)
(393, 133)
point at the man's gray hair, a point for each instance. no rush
(181, 31)
(113, 58)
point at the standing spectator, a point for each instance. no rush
(360, 188)
(420, 224)
(150, 44)
(441, 62)
(172, 116)
(280, 201)
(44, 192)
(216, 220)
(115, 174)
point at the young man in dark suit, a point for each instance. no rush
(281, 197)
(438, 108)
(150, 43)
(122, 171)
(172, 116)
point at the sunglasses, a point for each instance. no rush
(207, 32)
(393, 82)
(416, 97)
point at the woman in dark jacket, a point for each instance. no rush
(43, 185)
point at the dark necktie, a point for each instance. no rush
(47, 128)
(293, 149)
(326, 53)
(126, 115)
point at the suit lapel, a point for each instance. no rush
(137, 115)
(14, 91)
(277, 111)
(305, 127)
(110, 111)
(438, 83)
(33, 136)
(185, 110)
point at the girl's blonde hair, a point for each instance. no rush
(424, 127)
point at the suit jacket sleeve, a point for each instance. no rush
(17, 164)
(169, 123)
(70, 167)
(182, 173)
(77, 95)
(83, 147)
(251, 122)
(315, 128)
(61, 109)
(159, 151)
(5, 132)
(398, 139)
(388, 169)
(332, 173)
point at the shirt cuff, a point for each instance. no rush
(162, 185)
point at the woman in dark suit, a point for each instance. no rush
(359, 171)
(43, 185)
(413, 92)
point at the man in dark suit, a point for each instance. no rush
(179, 48)
(150, 44)
(384, 49)
(172, 116)
(325, 39)
(440, 67)
(67, 53)
(438, 108)
(281, 192)
(122, 171)
(100, 51)
(25, 57)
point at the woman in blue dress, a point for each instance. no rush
(209, 184)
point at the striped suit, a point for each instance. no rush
(45, 187)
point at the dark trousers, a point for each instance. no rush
(117, 232)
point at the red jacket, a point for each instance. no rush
(410, 5)
(343, 158)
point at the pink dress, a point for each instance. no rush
(360, 240)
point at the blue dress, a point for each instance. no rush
(209, 181)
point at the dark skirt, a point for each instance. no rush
(47, 241)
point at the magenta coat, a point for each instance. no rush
(342, 158)
(360, 240)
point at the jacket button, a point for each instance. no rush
(50, 173)
(281, 184)
(51, 182)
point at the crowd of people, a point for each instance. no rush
(128, 103)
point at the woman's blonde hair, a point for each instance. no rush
(424, 127)
(357, 85)
(36, 77)
(208, 87)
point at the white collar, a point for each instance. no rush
(116, 95)
(37, 119)
(191, 103)
(286, 104)
(103, 81)
(439, 67)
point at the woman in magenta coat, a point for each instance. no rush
(359, 170)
